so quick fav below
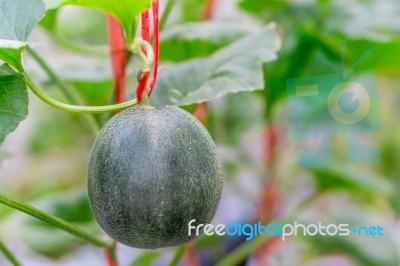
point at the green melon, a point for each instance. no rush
(151, 171)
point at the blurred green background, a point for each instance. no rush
(44, 161)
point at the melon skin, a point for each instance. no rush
(151, 171)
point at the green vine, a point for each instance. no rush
(67, 91)
(55, 221)
(147, 63)
(74, 108)
(7, 253)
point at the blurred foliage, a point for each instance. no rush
(319, 37)
(385, 250)
(49, 135)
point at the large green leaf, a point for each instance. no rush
(13, 101)
(125, 11)
(191, 40)
(385, 56)
(17, 19)
(235, 68)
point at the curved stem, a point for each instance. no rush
(52, 75)
(75, 108)
(74, 99)
(53, 220)
(7, 253)
(178, 256)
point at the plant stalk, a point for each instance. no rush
(53, 220)
(75, 108)
(178, 255)
(68, 92)
(7, 253)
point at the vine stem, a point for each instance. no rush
(53, 220)
(74, 108)
(7, 253)
(111, 255)
(178, 255)
(74, 99)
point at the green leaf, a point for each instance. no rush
(353, 180)
(17, 19)
(11, 53)
(13, 101)
(191, 40)
(385, 56)
(50, 20)
(231, 118)
(261, 8)
(235, 68)
(125, 11)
